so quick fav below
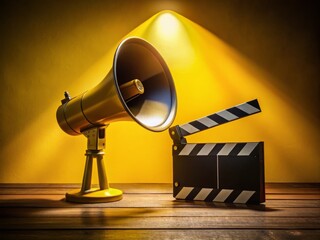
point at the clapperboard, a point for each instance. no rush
(218, 172)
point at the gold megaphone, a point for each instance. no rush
(139, 87)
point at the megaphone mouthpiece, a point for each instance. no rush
(131, 89)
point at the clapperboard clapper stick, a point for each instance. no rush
(218, 172)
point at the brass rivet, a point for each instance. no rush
(176, 184)
(172, 133)
(175, 147)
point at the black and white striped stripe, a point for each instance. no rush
(215, 149)
(224, 116)
(217, 195)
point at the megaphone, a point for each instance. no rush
(139, 88)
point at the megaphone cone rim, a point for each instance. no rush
(169, 120)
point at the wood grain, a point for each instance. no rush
(143, 222)
(160, 234)
(148, 211)
(142, 200)
(156, 212)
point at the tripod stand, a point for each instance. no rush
(95, 145)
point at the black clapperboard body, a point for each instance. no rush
(218, 172)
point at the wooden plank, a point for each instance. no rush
(160, 195)
(142, 222)
(63, 188)
(293, 196)
(160, 234)
(292, 203)
(292, 185)
(141, 200)
(271, 188)
(61, 196)
(286, 190)
(63, 191)
(155, 212)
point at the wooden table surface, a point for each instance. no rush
(148, 211)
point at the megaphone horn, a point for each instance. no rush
(138, 87)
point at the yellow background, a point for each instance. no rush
(220, 53)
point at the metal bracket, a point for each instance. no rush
(176, 135)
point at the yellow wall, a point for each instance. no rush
(220, 53)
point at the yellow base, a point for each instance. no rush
(95, 195)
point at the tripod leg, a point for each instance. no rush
(103, 182)
(86, 181)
